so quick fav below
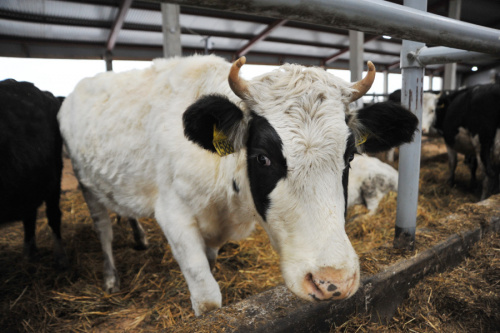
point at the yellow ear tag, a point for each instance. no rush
(221, 143)
(362, 140)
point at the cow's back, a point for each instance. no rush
(370, 180)
(124, 131)
(30, 147)
(473, 108)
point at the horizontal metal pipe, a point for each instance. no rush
(445, 55)
(370, 16)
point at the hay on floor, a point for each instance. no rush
(154, 295)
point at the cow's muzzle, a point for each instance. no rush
(331, 283)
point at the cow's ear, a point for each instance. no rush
(382, 126)
(216, 124)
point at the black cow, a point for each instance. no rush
(30, 161)
(469, 121)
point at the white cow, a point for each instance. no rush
(429, 113)
(370, 180)
(146, 143)
(428, 116)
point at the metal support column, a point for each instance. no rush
(108, 58)
(171, 30)
(450, 70)
(386, 84)
(356, 45)
(409, 154)
(356, 42)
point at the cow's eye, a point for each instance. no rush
(263, 160)
(351, 157)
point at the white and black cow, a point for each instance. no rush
(469, 121)
(207, 156)
(429, 101)
(30, 161)
(370, 180)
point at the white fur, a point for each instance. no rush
(125, 136)
(429, 113)
(369, 181)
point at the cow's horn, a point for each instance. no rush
(363, 85)
(238, 85)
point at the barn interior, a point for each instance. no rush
(155, 297)
(132, 30)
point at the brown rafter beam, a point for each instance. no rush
(336, 55)
(117, 25)
(394, 65)
(270, 28)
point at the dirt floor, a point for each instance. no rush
(34, 297)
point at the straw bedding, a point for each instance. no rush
(34, 297)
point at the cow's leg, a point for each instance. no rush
(452, 163)
(54, 217)
(102, 224)
(141, 241)
(471, 162)
(490, 182)
(212, 256)
(29, 222)
(188, 248)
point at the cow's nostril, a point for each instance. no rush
(330, 283)
(332, 287)
(312, 288)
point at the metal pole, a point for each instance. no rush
(108, 58)
(370, 16)
(386, 84)
(409, 154)
(171, 30)
(445, 55)
(356, 43)
(450, 69)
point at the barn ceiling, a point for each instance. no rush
(132, 30)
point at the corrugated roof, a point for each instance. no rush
(80, 29)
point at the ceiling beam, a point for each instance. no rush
(270, 28)
(336, 55)
(117, 25)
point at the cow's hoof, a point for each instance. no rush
(205, 307)
(111, 283)
(30, 251)
(141, 244)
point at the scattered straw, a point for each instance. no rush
(154, 295)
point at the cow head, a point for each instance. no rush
(299, 140)
(429, 114)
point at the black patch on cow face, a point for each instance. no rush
(265, 161)
(348, 157)
(209, 110)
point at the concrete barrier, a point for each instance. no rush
(278, 310)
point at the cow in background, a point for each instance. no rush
(469, 121)
(370, 180)
(428, 114)
(31, 161)
(208, 154)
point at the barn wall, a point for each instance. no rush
(484, 77)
